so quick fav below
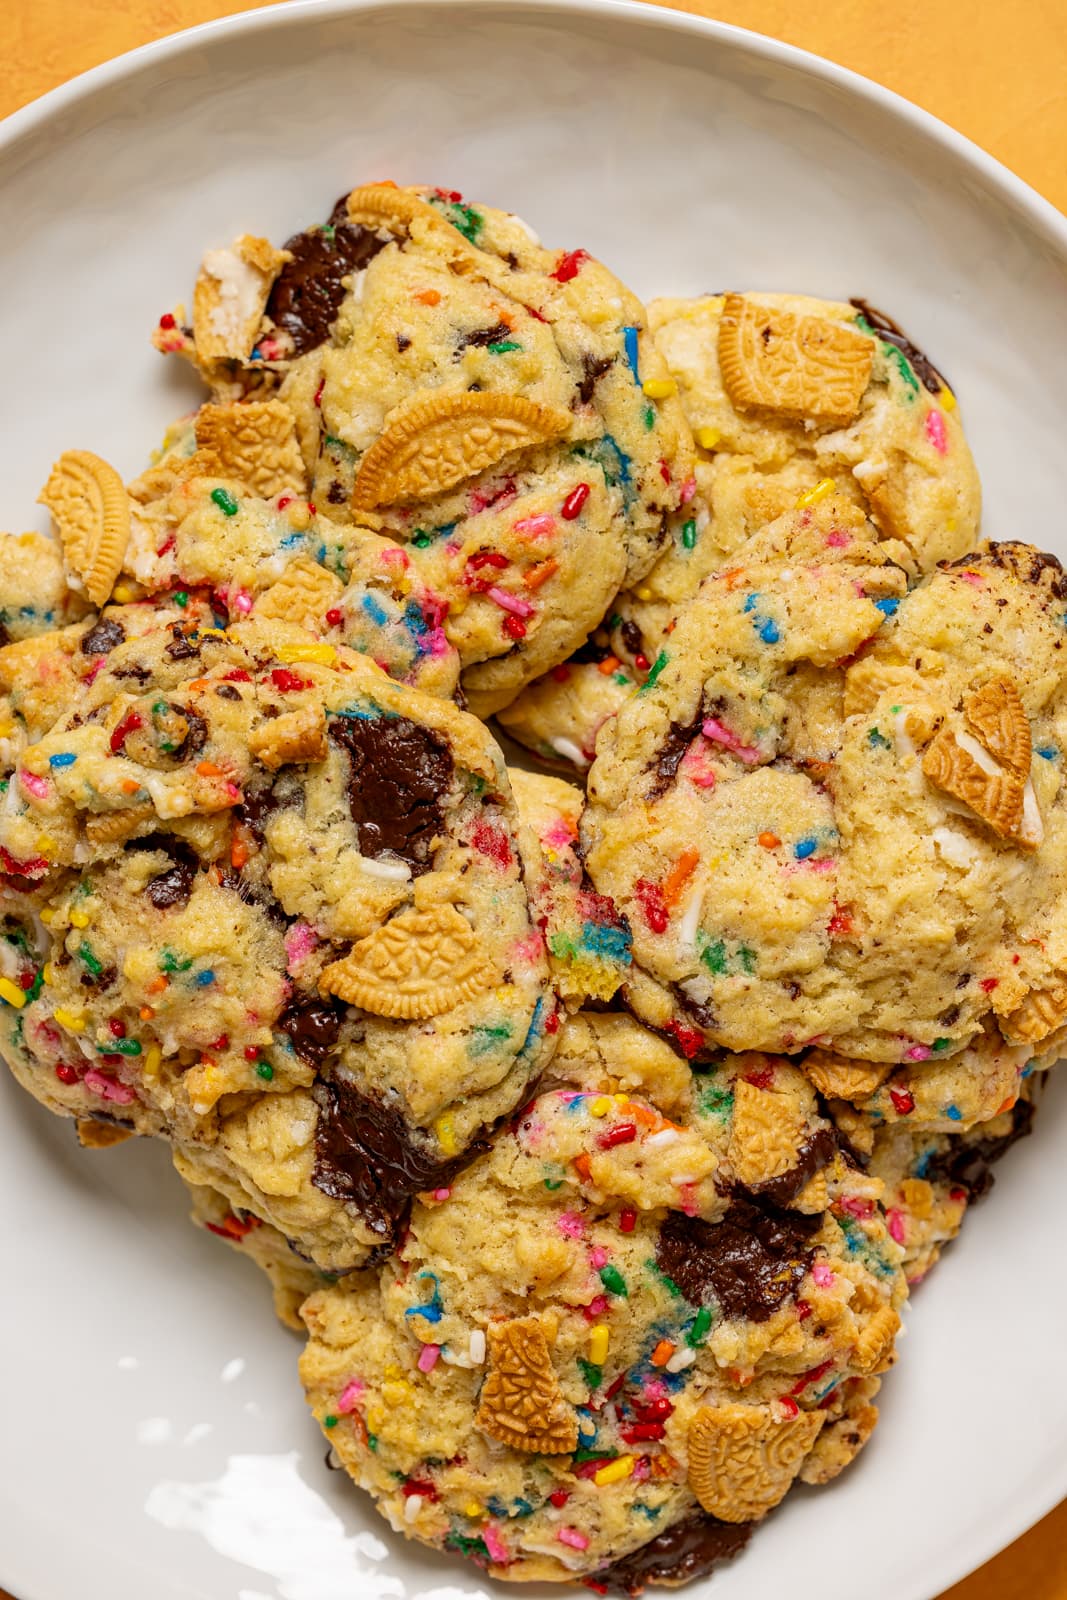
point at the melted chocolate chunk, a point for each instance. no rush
(398, 774)
(816, 1152)
(590, 651)
(680, 736)
(226, 691)
(102, 637)
(196, 737)
(181, 648)
(969, 1164)
(313, 1028)
(749, 1262)
(632, 637)
(482, 337)
(174, 886)
(887, 330)
(593, 369)
(135, 671)
(1026, 564)
(307, 293)
(366, 1154)
(690, 1549)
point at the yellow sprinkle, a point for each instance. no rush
(446, 1135)
(824, 487)
(308, 652)
(78, 919)
(601, 1105)
(615, 1471)
(396, 1394)
(122, 593)
(621, 1099)
(644, 593)
(7, 728)
(951, 524)
(45, 844)
(659, 388)
(68, 1020)
(48, 972)
(151, 1062)
(707, 438)
(473, 1509)
(48, 916)
(948, 399)
(599, 1339)
(12, 994)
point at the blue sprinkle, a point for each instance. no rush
(377, 613)
(519, 1508)
(922, 1166)
(888, 608)
(629, 336)
(205, 979)
(257, 354)
(1047, 751)
(414, 618)
(750, 602)
(953, 1113)
(769, 632)
(65, 759)
(27, 611)
(431, 1312)
(805, 848)
(292, 539)
(497, 1506)
(603, 940)
(534, 1029)
(320, 554)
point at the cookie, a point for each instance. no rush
(497, 408)
(34, 596)
(894, 448)
(609, 1348)
(261, 899)
(775, 772)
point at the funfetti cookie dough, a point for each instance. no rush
(264, 900)
(495, 407)
(791, 400)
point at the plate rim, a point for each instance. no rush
(1043, 216)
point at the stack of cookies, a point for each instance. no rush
(592, 1139)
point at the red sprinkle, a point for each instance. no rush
(420, 1486)
(487, 558)
(552, 1023)
(570, 265)
(335, 616)
(840, 923)
(803, 1311)
(989, 984)
(168, 544)
(285, 680)
(492, 842)
(643, 1430)
(624, 1133)
(654, 1410)
(167, 321)
(811, 1377)
(790, 1405)
(613, 1389)
(116, 1027)
(233, 1227)
(66, 1074)
(641, 662)
(130, 722)
(760, 1077)
(574, 502)
(689, 1040)
(238, 675)
(251, 1052)
(903, 1101)
(628, 1220)
(664, 471)
(650, 898)
(318, 391)
(514, 627)
(559, 1498)
(561, 673)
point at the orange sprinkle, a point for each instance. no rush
(427, 297)
(208, 769)
(238, 853)
(199, 684)
(608, 665)
(1009, 1102)
(662, 1353)
(679, 876)
(582, 1167)
(147, 1013)
(157, 985)
(540, 574)
(505, 316)
(662, 1465)
(129, 786)
(769, 841)
(641, 1115)
(733, 577)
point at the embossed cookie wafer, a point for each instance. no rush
(996, 713)
(993, 795)
(88, 502)
(794, 366)
(252, 443)
(232, 289)
(420, 963)
(599, 1320)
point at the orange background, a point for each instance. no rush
(997, 73)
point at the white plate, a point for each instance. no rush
(154, 1444)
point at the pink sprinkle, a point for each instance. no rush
(120, 1093)
(596, 1307)
(351, 1395)
(822, 864)
(428, 1357)
(718, 733)
(94, 670)
(895, 1219)
(231, 791)
(689, 489)
(689, 1199)
(973, 577)
(572, 1537)
(838, 540)
(542, 526)
(822, 1275)
(571, 1225)
(642, 1470)
(934, 429)
(918, 1052)
(396, 557)
(34, 785)
(655, 1389)
(560, 835)
(498, 1550)
(511, 602)
(441, 1194)
(693, 768)
(299, 943)
(242, 601)
(598, 1257)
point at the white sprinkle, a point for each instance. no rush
(476, 1348)
(233, 1369)
(681, 1180)
(412, 1507)
(390, 871)
(569, 751)
(687, 928)
(680, 1360)
(664, 1136)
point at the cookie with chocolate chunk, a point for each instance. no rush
(759, 377)
(608, 1349)
(826, 782)
(496, 408)
(261, 899)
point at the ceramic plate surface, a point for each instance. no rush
(154, 1443)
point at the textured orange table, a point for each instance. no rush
(997, 73)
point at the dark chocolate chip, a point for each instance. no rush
(313, 1028)
(196, 737)
(593, 369)
(226, 691)
(399, 774)
(481, 337)
(680, 736)
(5, 637)
(307, 293)
(888, 331)
(182, 648)
(174, 886)
(689, 1549)
(749, 1262)
(102, 637)
(816, 1152)
(135, 671)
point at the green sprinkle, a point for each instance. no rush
(372, 1441)
(650, 417)
(503, 347)
(747, 958)
(553, 1183)
(903, 366)
(689, 534)
(941, 1044)
(38, 984)
(614, 620)
(613, 1280)
(620, 678)
(460, 1541)
(877, 740)
(328, 231)
(264, 1070)
(420, 538)
(225, 502)
(713, 956)
(89, 960)
(668, 1283)
(654, 671)
(591, 1455)
(699, 1331)
(169, 962)
(330, 1421)
(182, 597)
(593, 1375)
(716, 1102)
(119, 1047)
